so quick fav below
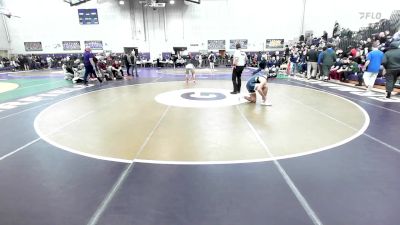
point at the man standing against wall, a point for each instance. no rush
(372, 67)
(239, 61)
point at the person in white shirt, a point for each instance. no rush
(200, 57)
(239, 62)
(211, 59)
(190, 69)
(49, 62)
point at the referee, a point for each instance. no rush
(239, 62)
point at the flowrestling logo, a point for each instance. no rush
(199, 98)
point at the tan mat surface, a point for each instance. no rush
(119, 123)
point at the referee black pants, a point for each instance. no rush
(237, 78)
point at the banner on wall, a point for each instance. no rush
(275, 43)
(33, 46)
(216, 44)
(88, 16)
(71, 45)
(242, 42)
(94, 45)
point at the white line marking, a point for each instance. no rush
(51, 133)
(19, 149)
(348, 89)
(307, 208)
(25, 110)
(365, 94)
(384, 99)
(8, 105)
(103, 206)
(18, 89)
(367, 135)
(383, 143)
(328, 85)
(155, 80)
(354, 99)
(351, 127)
(361, 131)
(48, 95)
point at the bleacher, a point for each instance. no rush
(353, 39)
(392, 25)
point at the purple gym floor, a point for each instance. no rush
(357, 183)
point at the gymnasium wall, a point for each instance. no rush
(3, 37)
(54, 21)
(191, 25)
(132, 26)
(183, 25)
(4, 45)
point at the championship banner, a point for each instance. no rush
(242, 42)
(216, 44)
(71, 45)
(33, 46)
(94, 45)
(274, 43)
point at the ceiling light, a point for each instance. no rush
(121, 2)
(171, 2)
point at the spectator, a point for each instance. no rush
(396, 36)
(320, 54)
(294, 62)
(382, 38)
(261, 66)
(49, 62)
(335, 69)
(312, 62)
(368, 46)
(102, 67)
(391, 63)
(211, 59)
(25, 62)
(287, 52)
(200, 59)
(133, 60)
(328, 59)
(352, 68)
(353, 51)
(372, 67)
(325, 36)
(128, 62)
(116, 69)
